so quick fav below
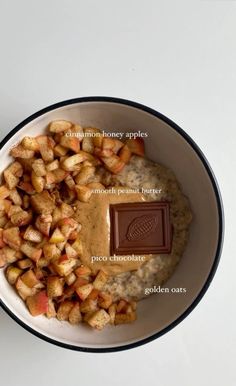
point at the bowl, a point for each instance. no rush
(170, 145)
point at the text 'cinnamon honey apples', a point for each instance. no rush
(58, 243)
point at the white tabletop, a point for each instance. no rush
(180, 59)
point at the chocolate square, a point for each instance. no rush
(140, 228)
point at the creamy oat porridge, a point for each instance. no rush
(87, 223)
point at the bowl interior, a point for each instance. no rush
(164, 145)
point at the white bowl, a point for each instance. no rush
(171, 146)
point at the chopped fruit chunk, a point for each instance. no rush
(113, 163)
(51, 312)
(38, 303)
(64, 310)
(64, 265)
(57, 237)
(42, 202)
(11, 236)
(136, 146)
(31, 251)
(23, 290)
(125, 154)
(30, 143)
(100, 280)
(12, 274)
(20, 152)
(125, 318)
(4, 192)
(59, 126)
(83, 271)
(70, 162)
(33, 235)
(38, 167)
(99, 319)
(83, 192)
(105, 300)
(55, 286)
(84, 291)
(45, 148)
(75, 315)
(29, 279)
(88, 305)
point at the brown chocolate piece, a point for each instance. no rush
(140, 228)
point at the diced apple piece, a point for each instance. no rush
(43, 226)
(21, 218)
(113, 163)
(84, 291)
(64, 265)
(60, 151)
(77, 246)
(125, 318)
(8, 255)
(51, 312)
(51, 251)
(3, 260)
(71, 143)
(33, 235)
(59, 175)
(10, 179)
(52, 165)
(100, 280)
(79, 282)
(23, 290)
(125, 154)
(112, 313)
(31, 251)
(37, 182)
(59, 126)
(25, 263)
(83, 271)
(85, 175)
(45, 148)
(73, 160)
(29, 278)
(121, 306)
(55, 286)
(15, 197)
(104, 300)
(12, 274)
(39, 168)
(99, 319)
(70, 251)
(136, 146)
(42, 202)
(70, 279)
(57, 237)
(4, 192)
(30, 143)
(88, 305)
(64, 310)
(93, 294)
(20, 152)
(83, 192)
(2, 244)
(38, 303)
(75, 315)
(11, 236)
(87, 144)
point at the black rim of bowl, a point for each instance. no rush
(219, 206)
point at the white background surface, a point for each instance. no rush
(179, 58)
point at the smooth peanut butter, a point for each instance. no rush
(94, 217)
